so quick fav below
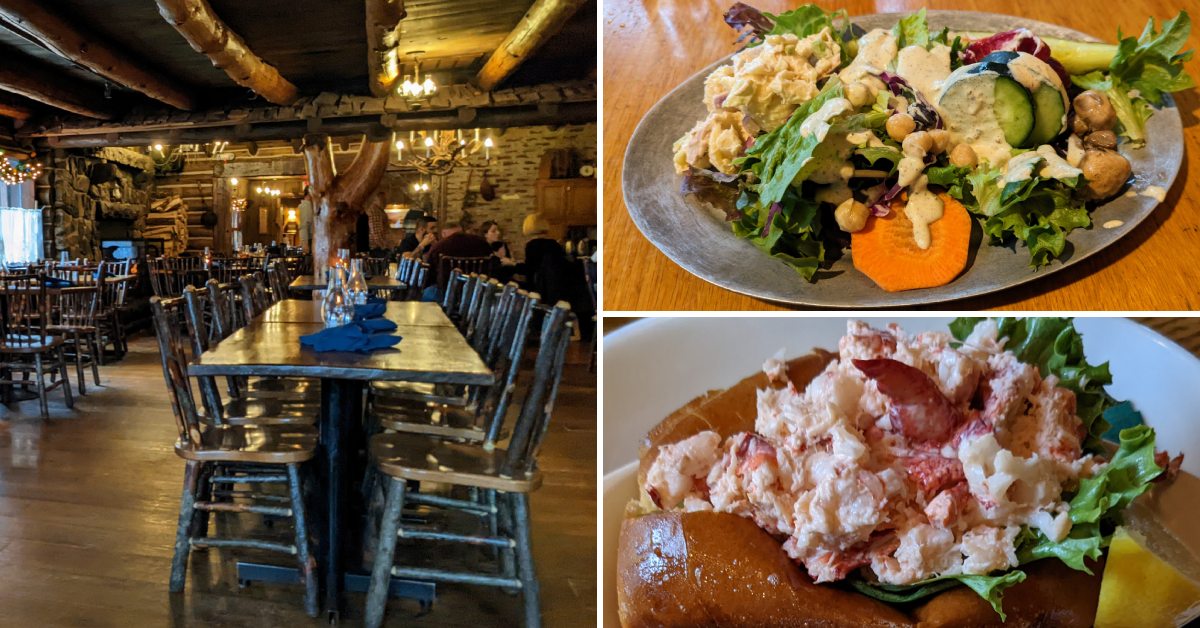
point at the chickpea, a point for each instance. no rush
(1106, 172)
(851, 215)
(900, 125)
(1094, 109)
(1101, 139)
(941, 139)
(963, 156)
(919, 143)
(858, 94)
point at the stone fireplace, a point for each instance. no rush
(98, 195)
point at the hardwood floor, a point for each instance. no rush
(89, 500)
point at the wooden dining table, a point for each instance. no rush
(651, 46)
(432, 350)
(308, 283)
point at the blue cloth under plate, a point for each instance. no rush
(358, 337)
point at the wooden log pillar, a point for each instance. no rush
(338, 199)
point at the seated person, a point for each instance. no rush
(490, 231)
(456, 243)
(419, 241)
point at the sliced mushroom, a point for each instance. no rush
(1101, 139)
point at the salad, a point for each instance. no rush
(916, 463)
(820, 137)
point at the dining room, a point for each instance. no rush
(297, 313)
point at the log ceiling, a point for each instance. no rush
(137, 65)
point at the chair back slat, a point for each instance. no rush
(198, 311)
(538, 405)
(254, 296)
(468, 265)
(77, 305)
(25, 311)
(172, 347)
(453, 292)
(506, 360)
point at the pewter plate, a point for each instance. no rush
(700, 241)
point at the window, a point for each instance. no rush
(20, 224)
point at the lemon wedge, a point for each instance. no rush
(1142, 585)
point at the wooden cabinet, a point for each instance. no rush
(567, 202)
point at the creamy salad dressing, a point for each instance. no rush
(970, 119)
(1155, 192)
(817, 123)
(876, 50)
(925, 69)
(1021, 167)
(923, 209)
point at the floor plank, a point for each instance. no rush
(89, 499)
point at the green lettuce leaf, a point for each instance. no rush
(778, 157)
(912, 30)
(1149, 67)
(1056, 348)
(793, 236)
(874, 154)
(1127, 475)
(805, 20)
(953, 178)
(1152, 63)
(1038, 212)
(1082, 543)
(990, 588)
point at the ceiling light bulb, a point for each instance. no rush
(429, 85)
(258, 190)
(428, 142)
(233, 181)
(158, 147)
(488, 143)
(399, 144)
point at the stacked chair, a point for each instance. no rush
(221, 452)
(454, 438)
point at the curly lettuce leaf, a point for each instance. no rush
(1141, 73)
(912, 30)
(1056, 348)
(953, 178)
(805, 20)
(1039, 212)
(990, 588)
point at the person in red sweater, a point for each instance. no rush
(456, 242)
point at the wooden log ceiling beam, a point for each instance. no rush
(540, 23)
(71, 42)
(208, 35)
(41, 82)
(383, 37)
(12, 108)
(568, 113)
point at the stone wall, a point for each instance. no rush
(513, 170)
(85, 187)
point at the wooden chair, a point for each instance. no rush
(468, 265)
(168, 275)
(376, 266)
(454, 292)
(222, 454)
(254, 295)
(242, 408)
(227, 317)
(506, 475)
(75, 310)
(590, 276)
(26, 346)
(476, 414)
(278, 279)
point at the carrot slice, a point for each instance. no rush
(886, 252)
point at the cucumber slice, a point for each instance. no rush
(1013, 106)
(1049, 115)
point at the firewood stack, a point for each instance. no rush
(168, 220)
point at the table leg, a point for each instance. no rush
(341, 413)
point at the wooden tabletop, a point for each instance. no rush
(652, 46)
(428, 353)
(403, 313)
(312, 282)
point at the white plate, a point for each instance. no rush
(654, 366)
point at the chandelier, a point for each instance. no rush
(440, 152)
(413, 88)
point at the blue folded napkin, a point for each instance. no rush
(373, 308)
(357, 337)
(56, 282)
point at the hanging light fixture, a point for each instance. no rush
(413, 87)
(444, 151)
